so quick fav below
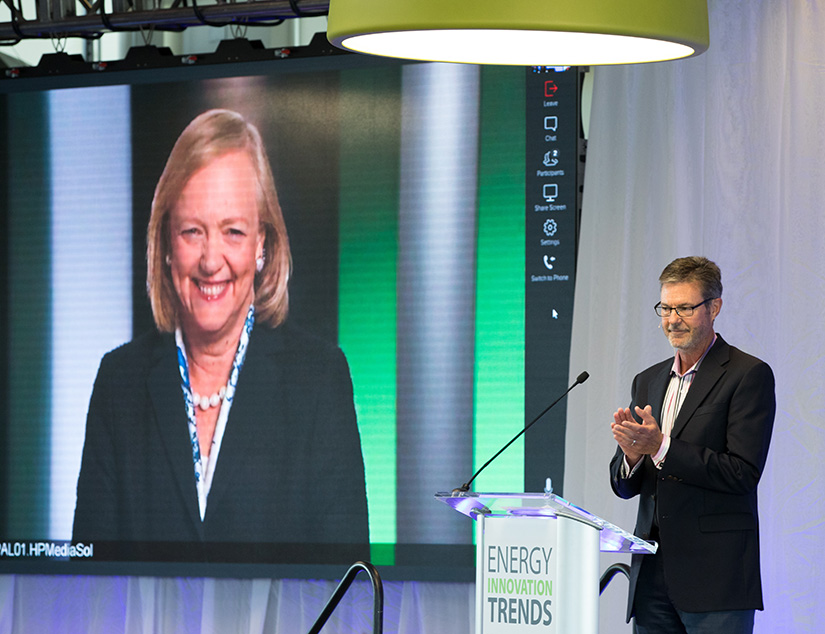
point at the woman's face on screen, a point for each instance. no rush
(215, 240)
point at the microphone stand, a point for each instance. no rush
(466, 486)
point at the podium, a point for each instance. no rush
(537, 561)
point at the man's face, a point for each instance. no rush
(691, 335)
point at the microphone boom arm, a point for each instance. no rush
(466, 486)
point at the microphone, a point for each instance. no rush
(466, 486)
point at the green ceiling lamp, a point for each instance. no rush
(522, 32)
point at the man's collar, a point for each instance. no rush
(677, 361)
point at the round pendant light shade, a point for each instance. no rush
(522, 32)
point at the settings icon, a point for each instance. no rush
(550, 227)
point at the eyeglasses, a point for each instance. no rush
(683, 311)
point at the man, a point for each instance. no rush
(692, 446)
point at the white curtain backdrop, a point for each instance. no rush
(143, 605)
(722, 156)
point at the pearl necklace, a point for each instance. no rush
(205, 402)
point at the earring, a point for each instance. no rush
(168, 260)
(260, 260)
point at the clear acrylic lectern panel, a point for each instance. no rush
(537, 561)
(612, 539)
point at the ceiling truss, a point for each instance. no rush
(90, 20)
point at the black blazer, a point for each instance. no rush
(704, 496)
(290, 467)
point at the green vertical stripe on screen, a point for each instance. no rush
(370, 121)
(29, 337)
(499, 373)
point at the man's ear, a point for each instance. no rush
(716, 307)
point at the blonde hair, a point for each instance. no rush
(209, 136)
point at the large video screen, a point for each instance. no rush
(423, 218)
